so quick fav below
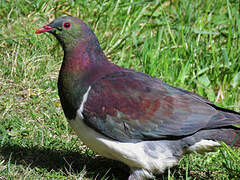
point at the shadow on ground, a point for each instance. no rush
(96, 167)
(74, 162)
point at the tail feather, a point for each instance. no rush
(229, 135)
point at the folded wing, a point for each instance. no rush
(132, 106)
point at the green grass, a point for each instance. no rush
(190, 44)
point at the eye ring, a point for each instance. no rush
(67, 25)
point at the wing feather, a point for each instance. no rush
(132, 106)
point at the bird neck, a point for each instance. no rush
(81, 66)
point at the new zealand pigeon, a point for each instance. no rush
(130, 116)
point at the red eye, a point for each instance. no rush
(67, 25)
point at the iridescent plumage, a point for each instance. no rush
(130, 116)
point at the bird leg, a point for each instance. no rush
(140, 174)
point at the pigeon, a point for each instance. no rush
(130, 116)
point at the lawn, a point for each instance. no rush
(194, 45)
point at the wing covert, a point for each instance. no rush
(132, 106)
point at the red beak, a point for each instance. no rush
(44, 29)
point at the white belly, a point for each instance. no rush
(135, 155)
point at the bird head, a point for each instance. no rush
(68, 30)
